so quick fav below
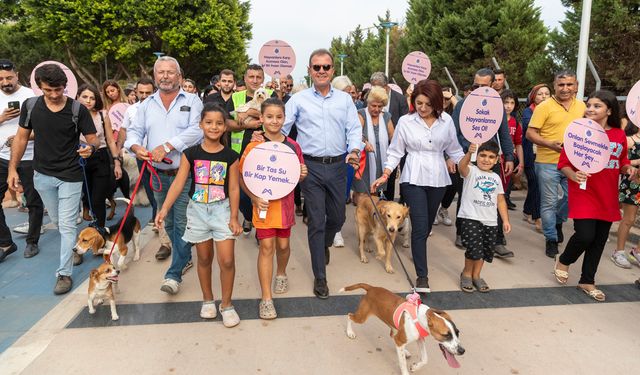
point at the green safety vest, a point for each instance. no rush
(239, 99)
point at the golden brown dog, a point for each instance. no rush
(408, 322)
(101, 241)
(392, 215)
(101, 282)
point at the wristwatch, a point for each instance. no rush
(166, 148)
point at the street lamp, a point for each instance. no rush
(387, 25)
(342, 56)
(158, 54)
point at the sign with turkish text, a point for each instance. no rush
(416, 66)
(116, 115)
(277, 58)
(271, 170)
(633, 104)
(587, 145)
(72, 83)
(481, 115)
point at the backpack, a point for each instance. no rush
(75, 110)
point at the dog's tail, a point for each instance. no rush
(355, 286)
(127, 201)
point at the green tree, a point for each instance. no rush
(204, 35)
(614, 42)
(463, 36)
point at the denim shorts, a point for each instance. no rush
(207, 221)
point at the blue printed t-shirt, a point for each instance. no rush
(209, 173)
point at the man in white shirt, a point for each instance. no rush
(12, 95)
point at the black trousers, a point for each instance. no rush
(100, 183)
(323, 190)
(589, 238)
(34, 203)
(451, 191)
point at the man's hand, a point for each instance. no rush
(508, 168)
(141, 152)
(368, 147)
(8, 114)
(85, 151)
(555, 146)
(257, 136)
(13, 180)
(518, 170)
(158, 153)
(353, 159)
(303, 171)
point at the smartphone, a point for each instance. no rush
(14, 105)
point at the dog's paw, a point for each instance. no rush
(389, 269)
(379, 256)
(136, 258)
(407, 354)
(406, 244)
(416, 366)
(364, 259)
(368, 250)
(115, 317)
(351, 334)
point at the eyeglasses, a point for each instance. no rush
(476, 86)
(6, 66)
(326, 67)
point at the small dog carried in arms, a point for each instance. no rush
(409, 321)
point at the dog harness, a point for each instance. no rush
(411, 307)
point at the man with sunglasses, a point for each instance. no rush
(328, 128)
(11, 92)
(484, 78)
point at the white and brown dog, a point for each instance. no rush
(409, 321)
(101, 282)
(100, 240)
(392, 217)
(259, 96)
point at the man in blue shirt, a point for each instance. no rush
(328, 127)
(168, 121)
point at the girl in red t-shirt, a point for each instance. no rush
(594, 209)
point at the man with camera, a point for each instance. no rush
(12, 95)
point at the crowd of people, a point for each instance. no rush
(198, 141)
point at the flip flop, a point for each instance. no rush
(596, 294)
(466, 285)
(561, 276)
(481, 285)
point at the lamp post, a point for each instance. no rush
(387, 25)
(342, 56)
(158, 54)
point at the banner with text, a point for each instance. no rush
(481, 115)
(416, 66)
(633, 104)
(277, 58)
(116, 115)
(587, 145)
(271, 170)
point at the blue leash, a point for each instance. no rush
(83, 164)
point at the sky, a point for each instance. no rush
(307, 26)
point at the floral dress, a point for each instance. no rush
(629, 190)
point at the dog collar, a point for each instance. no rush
(102, 230)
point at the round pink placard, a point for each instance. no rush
(116, 115)
(416, 66)
(481, 115)
(587, 145)
(277, 58)
(395, 88)
(72, 83)
(633, 104)
(271, 170)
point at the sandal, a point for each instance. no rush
(561, 276)
(230, 317)
(596, 294)
(466, 285)
(481, 285)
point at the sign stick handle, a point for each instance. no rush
(262, 214)
(474, 156)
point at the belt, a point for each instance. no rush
(168, 172)
(324, 159)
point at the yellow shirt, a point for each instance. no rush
(552, 119)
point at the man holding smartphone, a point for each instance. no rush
(12, 95)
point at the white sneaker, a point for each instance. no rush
(443, 215)
(634, 256)
(208, 310)
(230, 317)
(435, 221)
(338, 241)
(170, 286)
(619, 259)
(24, 228)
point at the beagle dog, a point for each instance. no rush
(392, 217)
(409, 321)
(100, 240)
(101, 282)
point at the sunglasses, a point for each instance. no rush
(289, 86)
(326, 67)
(6, 66)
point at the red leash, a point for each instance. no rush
(152, 172)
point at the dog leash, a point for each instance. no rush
(83, 165)
(152, 172)
(393, 245)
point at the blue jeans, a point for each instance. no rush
(62, 200)
(174, 224)
(553, 210)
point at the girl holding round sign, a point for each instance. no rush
(595, 154)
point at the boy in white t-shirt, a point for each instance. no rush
(482, 193)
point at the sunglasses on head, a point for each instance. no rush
(6, 66)
(324, 67)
